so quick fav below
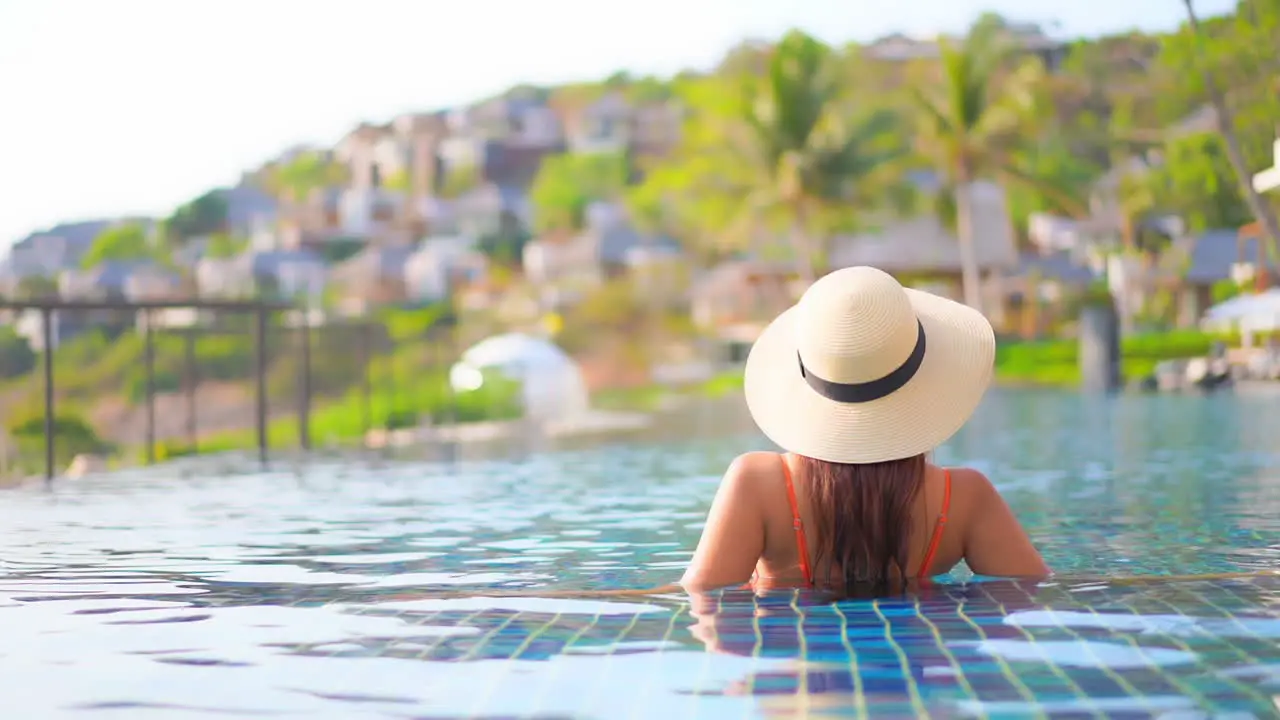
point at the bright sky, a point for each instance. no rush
(116, 107)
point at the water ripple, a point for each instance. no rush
(349, 588)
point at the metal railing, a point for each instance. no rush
(261, 313)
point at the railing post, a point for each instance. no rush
(46, 320)
(260, 370)
(149, 362)
(366, 372)
(451, 356)
(304, 391)
(389, 379)
(192, 384)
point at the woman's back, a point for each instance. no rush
(858, 382)
(952, 515)
(921, 537)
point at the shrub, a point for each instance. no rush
(72, 436)
(722, 384)
(66, 426)
(135, 384)
(399, 418)
(1224, 290)
(408, 324)
(171, 449)
(225, 357)
(1055, 361)
(498, 398)
(16, 356)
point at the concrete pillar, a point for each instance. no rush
(1099, 347)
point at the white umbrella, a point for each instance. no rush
(1249, 312)
(1245, 306)
(552, 385)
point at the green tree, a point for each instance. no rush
(649, 89)
(506, 246)
(73, 435)
(1108, 101)
(37, 286)
(749, 57)
(398, 181)
(1196, 181)
(566, 184)
(406, 325)
(1138, 197)
(1055, 164)
(125, 241)
(303, 174)
(341, 249)
(786, 153)
(223, 245)
(460, 180)
(16, 356)
(204, 215)
(1238, 53)
(974, 120)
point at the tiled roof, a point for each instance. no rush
(1215, 251)
(1058, 266)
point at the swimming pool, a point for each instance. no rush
(357, 590)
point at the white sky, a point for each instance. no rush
(116, 107)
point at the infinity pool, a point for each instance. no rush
(357, 589)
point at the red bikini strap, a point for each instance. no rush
(938, 528)
(801, 544)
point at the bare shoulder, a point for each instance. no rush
(755, 462)
(971, 486)
(968, 479)
(751, 468)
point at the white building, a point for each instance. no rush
(439, 265)
(366, 212)
(152, 283)
(538, 126)
(224, 277)
(290, 274)
(603, 127)
(570, 260)
(302, 279)
(29, 324)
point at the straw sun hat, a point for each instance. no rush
(863, 370)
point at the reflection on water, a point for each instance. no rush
(347, 589)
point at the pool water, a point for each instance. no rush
(350, 588)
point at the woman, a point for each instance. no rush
(857, 383)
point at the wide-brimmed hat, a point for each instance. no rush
(863, 370)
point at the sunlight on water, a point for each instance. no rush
(358, 589)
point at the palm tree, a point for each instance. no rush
(775, 153)
(811, 161)
(972, 123)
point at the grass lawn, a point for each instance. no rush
(1056, 362)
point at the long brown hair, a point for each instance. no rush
(862, 519)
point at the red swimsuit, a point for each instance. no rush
(803, 545)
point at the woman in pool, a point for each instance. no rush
(857, 384)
